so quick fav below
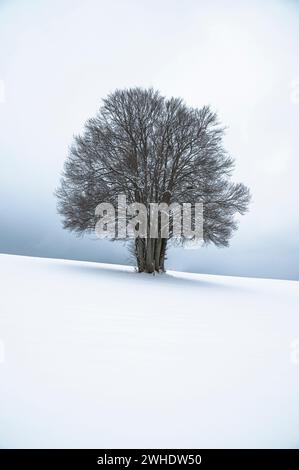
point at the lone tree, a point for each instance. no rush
(151, 149)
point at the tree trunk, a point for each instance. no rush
(150, 254)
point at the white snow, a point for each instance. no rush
(99, 356)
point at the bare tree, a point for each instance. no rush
(151, 149)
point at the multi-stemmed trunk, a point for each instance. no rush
(150, 254)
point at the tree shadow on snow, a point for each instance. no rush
(170, 279)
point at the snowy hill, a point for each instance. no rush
(99, 356)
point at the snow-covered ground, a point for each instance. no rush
(99, 356)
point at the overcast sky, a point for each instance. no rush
(59, 58)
